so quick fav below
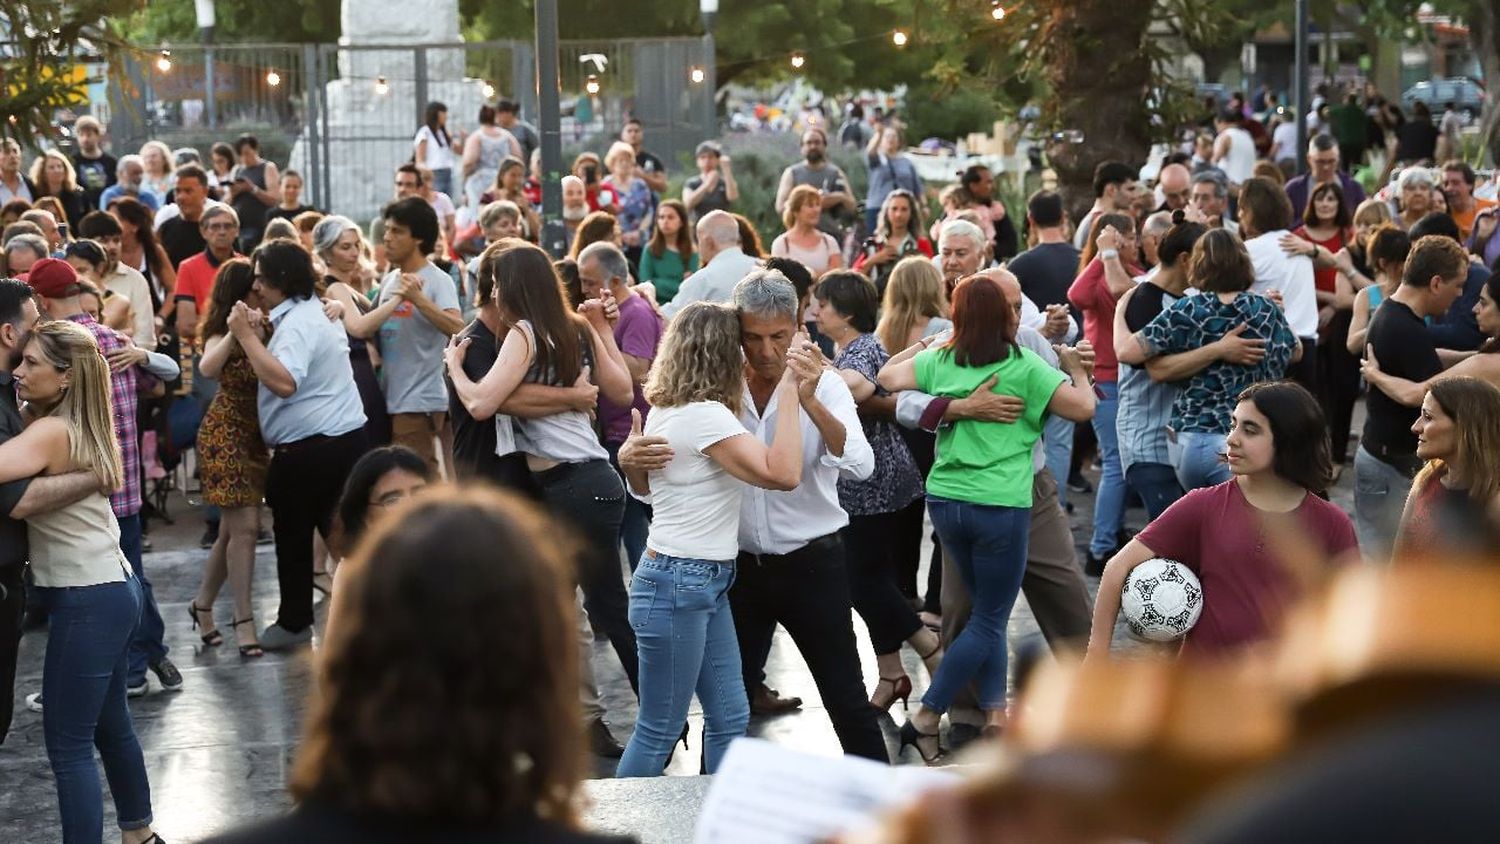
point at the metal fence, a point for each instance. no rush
(346, 115)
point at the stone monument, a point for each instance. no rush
(373, 110)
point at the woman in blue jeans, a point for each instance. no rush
(679, 596)
(83, 581)
(980, 487)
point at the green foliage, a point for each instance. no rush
(53, 37)
(294, 21)
(951, 115)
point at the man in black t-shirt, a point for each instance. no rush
(651, 168)
(1398, 338)
(181, 234)
(508, 117)
(95, 167)
(1047, 269)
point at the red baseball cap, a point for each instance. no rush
(53, 278)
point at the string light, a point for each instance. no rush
(696, 75)
(998, 12)
(592, 85)
(273, 78)
(899, 38)
(488, 90)
(798, 60)
(164, 62)
(382, 87)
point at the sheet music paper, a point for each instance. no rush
(766, 793)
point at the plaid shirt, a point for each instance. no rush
(123, 387)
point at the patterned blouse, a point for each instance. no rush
(896, 482)
(1207, 402)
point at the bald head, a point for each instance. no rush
(1176, 183)
(717, 231)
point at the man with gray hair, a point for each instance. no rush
(43, 219)
(129, 173)
(724, 263)
(24, 250)
(638, 331)
(1152, 230)
(791, 566)
(1210, 197)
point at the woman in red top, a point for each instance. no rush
(1327, 222)
(1107, 269)
(1259, 540)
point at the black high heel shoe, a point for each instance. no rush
(914, 737)
(212, 638)
(683, 740)
(253, 649)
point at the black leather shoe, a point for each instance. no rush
(960, 734)
(602, 742)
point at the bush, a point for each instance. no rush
(950, 116)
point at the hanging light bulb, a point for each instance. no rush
(798, 60)
(382, 87)
(164, 62)
(899, 38)
(273, 78)
(696, 75)
(998, 12)
(592, 85)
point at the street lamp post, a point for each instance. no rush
(205, 10)
(710, 124)
(549, 101)
(1300, 98)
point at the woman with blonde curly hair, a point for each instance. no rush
(679, 596)
(156, 158)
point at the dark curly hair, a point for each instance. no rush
(448, 678)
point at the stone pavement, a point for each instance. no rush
(219, 751)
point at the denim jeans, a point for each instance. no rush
(1157, 485)
(679, 609)
(1057, 438)
(636, 523)
(1196, 457)
(1380, 492)
(987, 547)
(1109, 505)
(83, 683)
(146, 644)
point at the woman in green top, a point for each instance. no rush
(979, 489)
(669, 258)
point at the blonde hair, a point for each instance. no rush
(616, 150)
(166, 157)
(800, 196)
(1474, 407)
(700, 359)
(1372, 212)
(914, 290)
(39, 172)
(85, 405)
(281, 228)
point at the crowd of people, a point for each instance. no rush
(762, 434)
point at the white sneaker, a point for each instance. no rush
(34, 701)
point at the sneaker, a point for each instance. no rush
(263, 538)
(1094, 566)
(278, 638)
(210, 536)
(167, 673)
(34, 701)
(137, 691)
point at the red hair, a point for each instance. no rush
(984, 325)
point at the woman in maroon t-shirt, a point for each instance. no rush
(1257, 541)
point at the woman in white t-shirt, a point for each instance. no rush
(679, 596)
(433, 148)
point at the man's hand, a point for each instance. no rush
(1069, 359)
(726, 164)
(239, 321)
(333, 309)
(1294, 245)
(1192, 214)
(1085, 351)
(1369, 365)
(594, 311)
(1056, 327)
(611, 306)
(123, 358)
(805, 360)
(1109, 239)
(988, 406)
(643, 453)
(1236, 348)
(1274, 294)
(583, 394)
(410, 287)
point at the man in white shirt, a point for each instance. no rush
(724, 264)
(790, 569)
(1265, 213)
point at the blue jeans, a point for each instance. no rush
(147, 644)
(685, 639)
(1196, 456)
(636, 523)
(1157, 485)
(987, 545)
(1380, 492)
(1057, 438)
(1109, 505)
(83, 684)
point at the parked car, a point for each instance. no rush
(1465, 93)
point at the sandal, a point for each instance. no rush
(212, 638)
(253, 649)
(326, 590)
(914, 737)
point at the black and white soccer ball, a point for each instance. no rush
(1162, 600)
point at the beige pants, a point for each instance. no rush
(429, 435)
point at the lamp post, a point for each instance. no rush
(205, 10)
(1300, 98)
(549, 95)
(710, 124)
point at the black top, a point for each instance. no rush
(1148, 301)
(474, 455)
(1405, 350)
(649, 163)
(1458, 328)
(1416, 140)
(1045, 272)
(525, 135)
(12, 531)
(315, 824)
(288, 213)
(181, 238)
(94, 174)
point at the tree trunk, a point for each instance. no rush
(1484, 36)
(1099, 76)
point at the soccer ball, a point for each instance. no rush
(1162, 600)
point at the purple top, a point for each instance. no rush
(638, 333)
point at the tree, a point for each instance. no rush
(46, 40)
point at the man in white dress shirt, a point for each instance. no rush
(791, 564)
(724, 264)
